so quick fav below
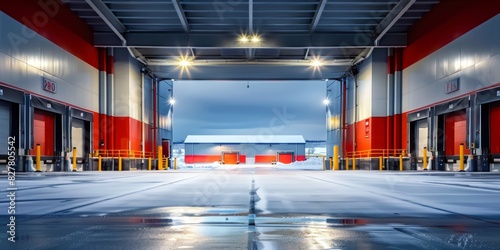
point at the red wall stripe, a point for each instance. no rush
(447, 21)
(110, 67)
(102, 59)
(494, 133)
(390, 65)
(56, 22)
(190, 159)
(301, 157)
(265, 158)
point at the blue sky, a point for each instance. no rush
(265, 108)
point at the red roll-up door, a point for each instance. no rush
(43, 132)
(165, 147)
(456, 132)
(494, 131)
(285, 158)
(265, 159)
(230, 158)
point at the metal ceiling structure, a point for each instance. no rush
(291, 34)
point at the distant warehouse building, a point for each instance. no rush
(240, 149)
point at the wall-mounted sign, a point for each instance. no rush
(49, 86)
(367, 128)
(452, 86)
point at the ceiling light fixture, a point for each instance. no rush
(171, 101)
(326, 101)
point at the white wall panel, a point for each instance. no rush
(365, 89)
(24, 65)
(472, 57)
(5, 68)
(482, 74)
(495, 68)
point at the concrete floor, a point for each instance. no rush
(254, 208)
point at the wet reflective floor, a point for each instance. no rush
(252, 208)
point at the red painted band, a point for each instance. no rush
(447, 21)
(56, 22)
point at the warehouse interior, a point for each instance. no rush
(411, 78)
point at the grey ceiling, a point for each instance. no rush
(292, 33)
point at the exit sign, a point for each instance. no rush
(49, 86)
(452, 86)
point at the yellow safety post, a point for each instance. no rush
(380, 163)
(175, 163)
(99, 164)
(160, 158)
(324, 163)
(37, 166)
(331, 163)
(462, 167)
(353, 163)
(149, 163)
(347, 163)
(425, 159)
(167, 163)
(74, 159)
(336, 157)
(401, 162)
(119, 163)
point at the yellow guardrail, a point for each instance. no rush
(130, 154)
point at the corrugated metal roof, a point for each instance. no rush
(244, 139)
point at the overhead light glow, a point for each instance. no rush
(316, 63)
(244, 39)
(255, 39)
(171, 101)
(184, 63)
(326, 101)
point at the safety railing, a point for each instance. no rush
(122, 153)
(371, 153)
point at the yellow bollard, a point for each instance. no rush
(353, 163)
(324, 163)
(347, 163)
(462, 167)
(149, 163)
(336, 157)
(38, 163)
(400, 162)
(74, 159)
(119, 163)
(175, 163)
(160, 158)
(167, 163)
(99, 164)
(331, 163)
(425, 159)
(380, 163)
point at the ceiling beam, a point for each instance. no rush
(180, 13)
(115, 25)
(224, 40)
(250, 17)
(397, 12)
(317, 15)
(108, 17)
(384, 26)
